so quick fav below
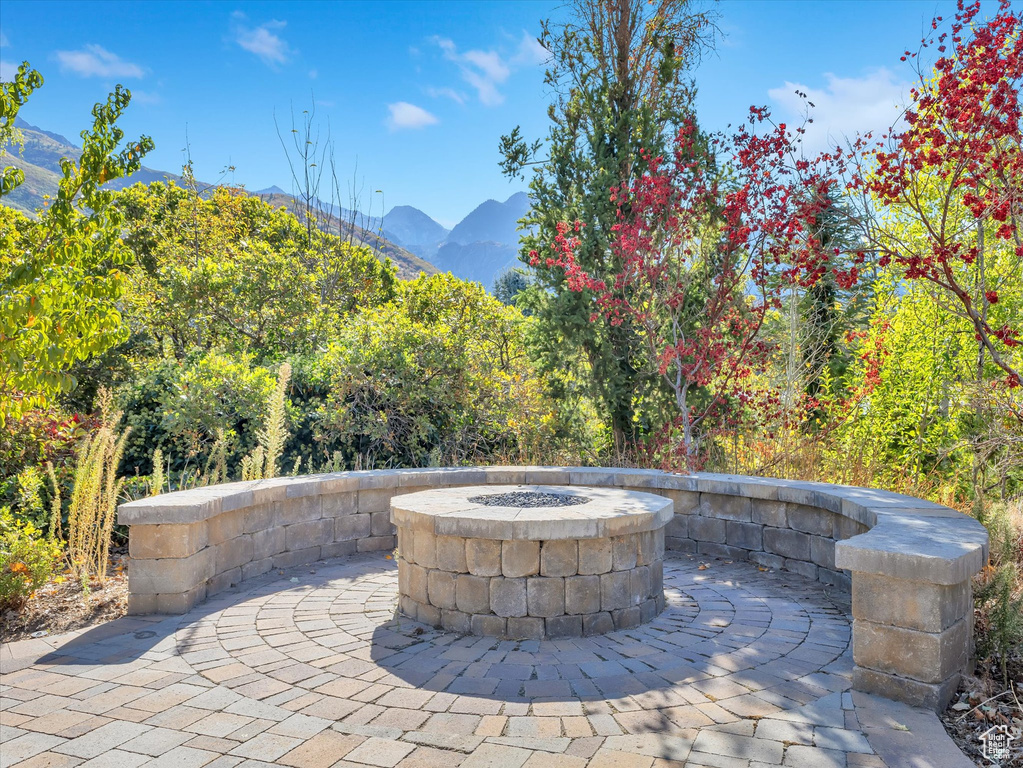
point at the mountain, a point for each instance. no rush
(40, 160)
(412, 229)
(483, 261)
(492, 221)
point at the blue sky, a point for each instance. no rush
(417, 93)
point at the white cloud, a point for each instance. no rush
(97, 61)
(4, 42)
(483, 70)
(263, 41)
(145, 97)
(530, 53)
(405, 115)
(8, 69)
(844, 107)
(448, 93)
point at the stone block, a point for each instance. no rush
(624, 552)
(259, 518)
(615, 590)
(180, 602)
(224, 580)
(923, 656)
(375, 500)
(472, 593)
(657, 579)
(822, 552)
(647, 610)
(451, 554)
(416, 582)
(232, 554)
(170, 575)
(597, 624)
(793, 544)
(483, 557)
(594, 556)
(640, 584)
(650, 546)
(559, 558)
(744, 535)
(932, 696)
(626, 618)
(314, 533)
(845, 528)
(424, 549)
(442, 589)
(525, 628)
(225, 526)
(838, 579)
(724, 551)
(296, 557)
(802, 567)
(339, 549)
(508, 596)
(520, 558)
(545, 596)
(766, 559)
(339, 504)
(141, 605)
(768, 512)
(819, 522)
(267, 543)
(408, 607)
(707, 529)
(685, 502)
(352, 527)
(158, 541)
(301, 509)
(488, 626)
(428, 614)
(582, 594)
(680, 545)
(723, 507)
(381, 523)
(910, 604)
(455, 621)
(376, 543)
(564, 626)
(257, 568)
(678, 527)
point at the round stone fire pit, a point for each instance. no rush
(531, 562)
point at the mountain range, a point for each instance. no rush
(480, 247)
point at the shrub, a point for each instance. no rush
(26, 560)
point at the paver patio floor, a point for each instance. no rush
(310, 667)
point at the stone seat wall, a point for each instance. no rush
(908, 562)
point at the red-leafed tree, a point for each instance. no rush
(947, 189)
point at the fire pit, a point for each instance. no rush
(531, 562)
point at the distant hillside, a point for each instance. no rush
(414, 230)
(493, 221)
(40, 160)
(482, 261)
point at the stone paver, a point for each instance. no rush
(311, 667)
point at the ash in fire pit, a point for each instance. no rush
(528, 499)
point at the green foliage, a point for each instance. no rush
(227, 271)
(188, 407)
(12, 98)
(438, 376)
(264, 461)
(60, 277)
(27, 560)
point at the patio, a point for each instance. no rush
(745, 667)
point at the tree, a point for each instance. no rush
(618, 69)
(61, 276)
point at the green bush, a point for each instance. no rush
(27, 559)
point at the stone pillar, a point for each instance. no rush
(911, 639)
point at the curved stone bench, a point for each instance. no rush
(471, 564)
(908, 562)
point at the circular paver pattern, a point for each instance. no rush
(310, 667)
